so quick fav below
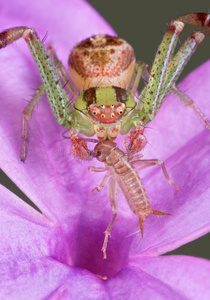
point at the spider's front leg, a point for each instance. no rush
(63, 74)
(165, 71)
(61, 105)
(57, 96)
(79, 146)
(167, 68)
(59, 100)
(137, 141)
(26, 116)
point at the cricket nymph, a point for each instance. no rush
(121, 170)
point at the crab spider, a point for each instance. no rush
(97, 66)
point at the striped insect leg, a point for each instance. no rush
(112, 193)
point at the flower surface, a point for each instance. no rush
(57, 254)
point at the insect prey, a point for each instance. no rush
(121, 170)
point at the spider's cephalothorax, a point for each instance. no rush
(105, 69)
(102, 67)
(104, 79)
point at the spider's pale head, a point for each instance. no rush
(105, 104)
(102, 60)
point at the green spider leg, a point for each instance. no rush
(166, 70)
(162, 78)
(64, 76)
(26, 115)
(61, 105)
(39, 93)
(57, 96)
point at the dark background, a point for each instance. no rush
(142, 24)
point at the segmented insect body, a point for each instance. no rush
(122, 170)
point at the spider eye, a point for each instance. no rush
(120, 112)
(102, 116)
(102, 106)
(112, 115)
(94, 113)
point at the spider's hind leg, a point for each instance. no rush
(188, 102)
(140, 71)
(166, 68)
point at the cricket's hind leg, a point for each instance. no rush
(153, 212)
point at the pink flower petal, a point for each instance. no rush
(173, 277)
(27, 234)
(58, 183)
(46, 278)
(190, 209)
(186, 276)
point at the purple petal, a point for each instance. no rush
(46, 278)
(31, 262)
(36, 245)
(190, 209)
(188, 277)
(35, 260)
(58, 183)
(33, 274)
(27, 234)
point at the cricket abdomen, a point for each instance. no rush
(130, 183)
